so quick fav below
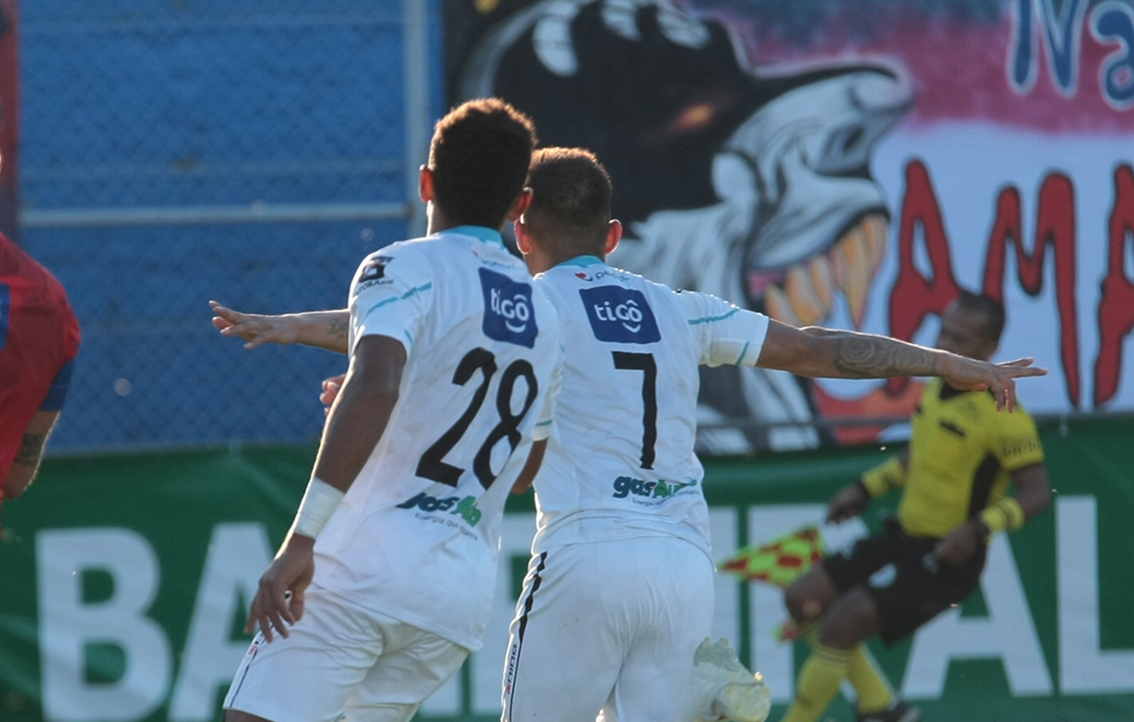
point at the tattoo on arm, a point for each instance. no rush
(338, 328)
(31, 450)
(860, 355)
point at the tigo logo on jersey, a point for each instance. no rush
(620, 315)
(508, 312)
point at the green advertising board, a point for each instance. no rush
(124, 580)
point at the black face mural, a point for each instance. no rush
(749, 183)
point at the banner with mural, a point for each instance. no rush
(849, 163)
(124, 584)
(9, 117)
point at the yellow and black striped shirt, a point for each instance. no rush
(962, 453)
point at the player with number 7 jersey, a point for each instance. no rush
(620, 581)
(621, 576)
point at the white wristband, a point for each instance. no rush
(318, 504)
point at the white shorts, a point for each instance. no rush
(611, 624)
(341, 659)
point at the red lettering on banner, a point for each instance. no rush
(914, 296)
(1055, 226)
(1116, 310)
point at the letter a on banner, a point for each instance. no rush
(1008, 634)
(1084, 667)
(238, 555)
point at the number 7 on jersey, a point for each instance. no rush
(644, 362)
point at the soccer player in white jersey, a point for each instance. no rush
(384, 582)
(619, 592)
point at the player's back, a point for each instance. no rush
(422, 520)
(621, 461)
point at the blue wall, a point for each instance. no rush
(196, 102)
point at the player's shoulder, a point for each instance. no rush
(397, 267)
(1019, 417)
(429, 256)
(1018, 420)
(414, 250)
(410, 248)
(704, 309)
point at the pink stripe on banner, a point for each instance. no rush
(960, 69)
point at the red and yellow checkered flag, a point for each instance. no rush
(780, 561)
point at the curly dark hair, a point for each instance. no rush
(479, 157)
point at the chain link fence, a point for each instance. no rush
(173, 152)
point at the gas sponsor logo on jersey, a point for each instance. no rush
(508, 312)
(464, 508)
(620, 315)
(624, 486)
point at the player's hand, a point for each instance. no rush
(960, 545)
(331, 388)
(291, 571)
(973, 375)
(256, 329)
(847, 504)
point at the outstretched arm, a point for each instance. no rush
(820, 352)
(322, 329)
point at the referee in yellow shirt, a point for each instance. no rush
(954, 476)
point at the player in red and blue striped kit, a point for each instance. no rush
(39, 337)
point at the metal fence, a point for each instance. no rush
(174, 152)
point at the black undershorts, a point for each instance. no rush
(901, 575)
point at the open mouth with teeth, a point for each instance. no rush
(804, 293)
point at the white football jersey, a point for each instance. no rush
(620, 461)
(417, 535)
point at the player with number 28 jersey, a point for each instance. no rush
(384, 583)
(479, 335)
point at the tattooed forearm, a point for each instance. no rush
(322, 329)
(338, 328)
(31, 450)
(859, 355)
